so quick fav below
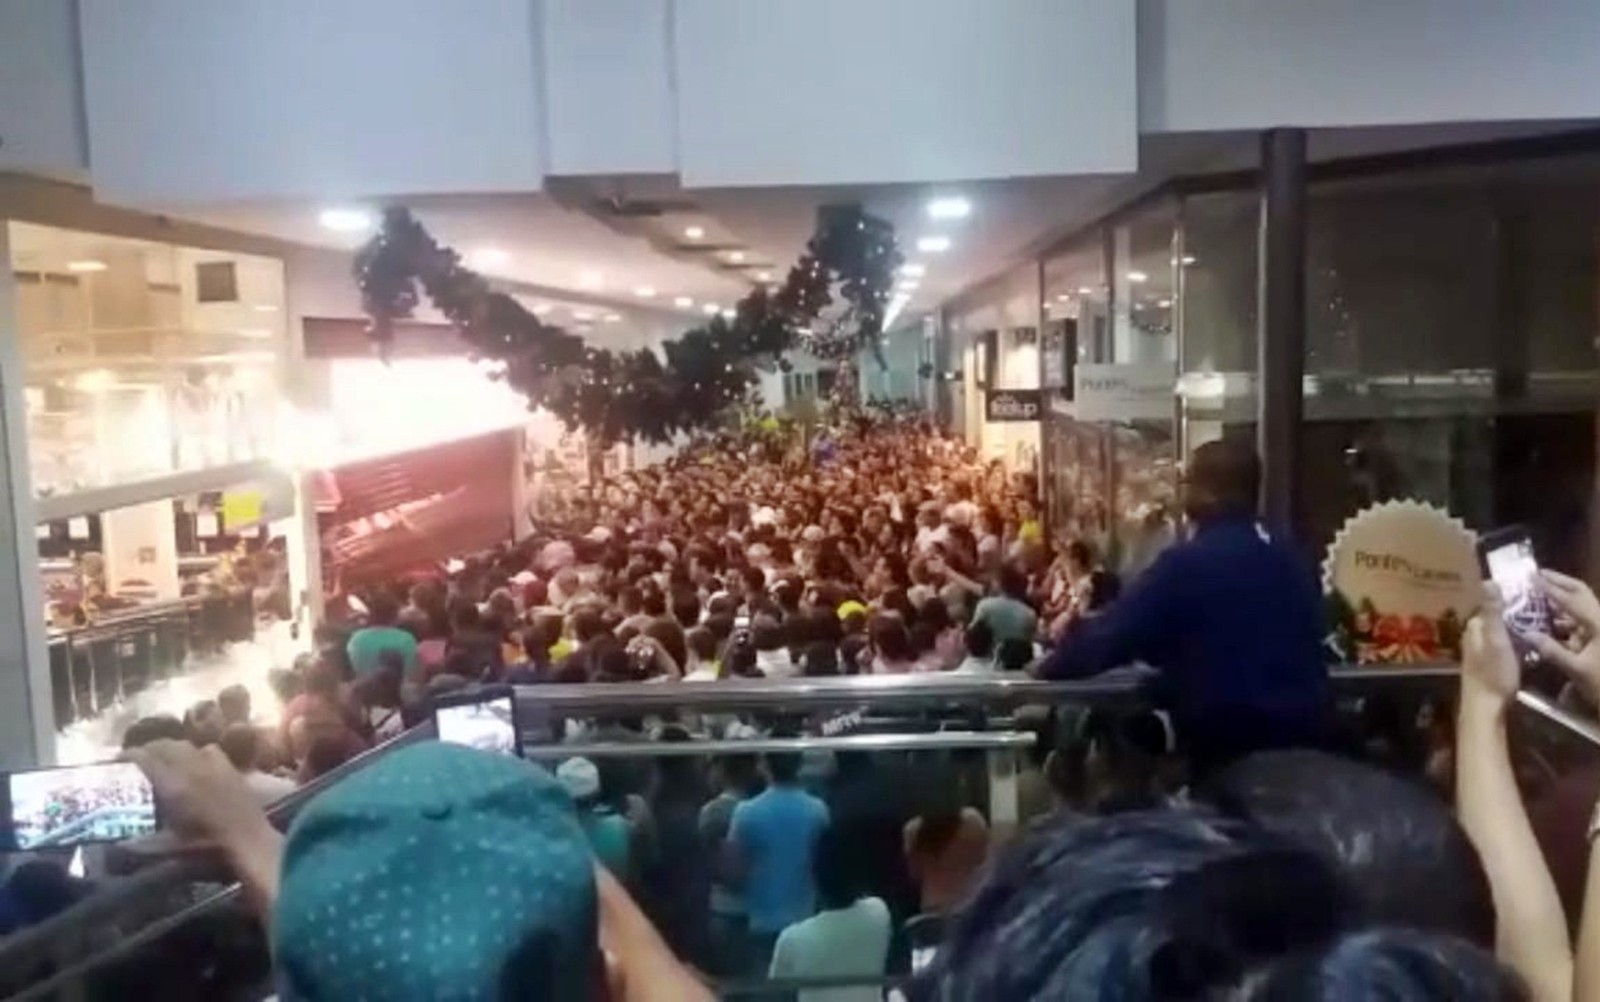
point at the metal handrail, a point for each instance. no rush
(1586, 729)
(888, 692)
(882, 691)
(25, 946)
(932, 741)
(885, 691)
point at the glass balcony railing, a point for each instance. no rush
(885, 754)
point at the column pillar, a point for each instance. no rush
(27, 725)
(1281, 334)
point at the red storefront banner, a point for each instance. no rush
(386, 517)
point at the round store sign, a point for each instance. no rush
(1401, 580)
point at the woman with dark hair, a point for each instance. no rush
(891, 646)
(1181, 904)
(895, 600)
(849, 935)
(471, 643)
(854, 654)
(820, 660)
(670, 636)
(948, 644)
(923, 638)
(946, 843)
(893, 572)
(676, 883)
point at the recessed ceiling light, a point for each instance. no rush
(950, 207)
(582, 316)
(693, 232)
(710, 309)
(934, 244)
(591, 279)
(1063, 297)
(612, 318)
(489, 257)
(914, 269)
(345, 220)
(85, 266)
(1137, 276)
(1189, 259)
(645, 292)
(683, 302)
(730, 313)
(1164, 304)
(763, 276)
(737, 257)
(1084, 290)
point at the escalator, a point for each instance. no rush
(179, 928)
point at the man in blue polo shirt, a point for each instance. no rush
(771, 840)
(1232, 618)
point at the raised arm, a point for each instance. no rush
(1581, 659)
(1135, 625)
(1531, 931)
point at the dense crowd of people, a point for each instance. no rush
(1232, 844)
(1285, 875)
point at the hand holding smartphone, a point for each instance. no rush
(1506, 557)
(484, 718)
(77, 805)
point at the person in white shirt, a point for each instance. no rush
(980, 650)
(773, 659)
(847, 938)
(703, 665)
(242, 744)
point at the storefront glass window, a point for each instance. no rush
(1217, 262)
(1450, 347)
(1077, 330)
(997, 335)
(1141, 446)
(143, 359)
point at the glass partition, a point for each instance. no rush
(1141, 441)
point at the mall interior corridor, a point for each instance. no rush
(815, 500)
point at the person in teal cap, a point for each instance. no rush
(436, 872)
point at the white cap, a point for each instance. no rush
(580, 777)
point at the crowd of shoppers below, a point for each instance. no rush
(1244, 841)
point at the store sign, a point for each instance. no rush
(241, 509)
(1138, 392)
(1402, 580)
(1011, 405)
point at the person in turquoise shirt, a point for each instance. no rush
(1008, 614)
(606, 830)
(847, 938)
(367, 644)
(771, 839)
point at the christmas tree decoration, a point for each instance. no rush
(618, 396)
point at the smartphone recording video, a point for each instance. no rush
(1508, 560)
(78, 805)
(485, 720)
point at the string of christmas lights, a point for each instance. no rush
(623, 395)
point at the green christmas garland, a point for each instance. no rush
(618, 396)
